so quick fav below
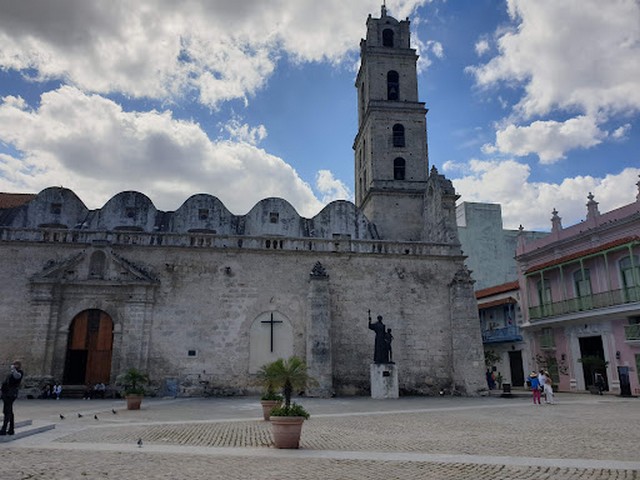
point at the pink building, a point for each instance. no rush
(581, 300)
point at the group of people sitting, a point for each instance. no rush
(96, 391)
(541, 382)
(51, 391)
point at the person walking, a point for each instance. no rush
(548, 388)
(10, 387)
(535, 387)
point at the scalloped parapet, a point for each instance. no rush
(129, 212)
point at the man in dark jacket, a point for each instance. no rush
(10, 388)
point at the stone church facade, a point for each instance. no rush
(201, 298)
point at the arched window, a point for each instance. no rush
(398, 135)
(544, 292)
(387, 37)
(393, 85)
(582, 285)
(627, 266)
(582, 282)
(630, 272)
(398, 168)
(97, 264)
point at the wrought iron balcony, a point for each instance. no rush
(588, 302)
(504, 334)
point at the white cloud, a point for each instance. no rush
(574, 54)
(163, 49)
(331, 188)
(242, 132)
(622, 132)
(550, 140)
(578, 57)
(507, 182)
(89, 144)
(482, 47)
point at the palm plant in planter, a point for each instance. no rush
(133, 382)
(270, 398)
(287, 419)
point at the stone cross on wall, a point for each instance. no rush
(271, 323)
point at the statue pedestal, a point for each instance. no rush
(384, 380)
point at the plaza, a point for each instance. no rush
(580, 437)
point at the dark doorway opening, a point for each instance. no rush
(517, 371)
(89, 348)
(592, 360)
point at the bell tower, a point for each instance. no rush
(391, 158)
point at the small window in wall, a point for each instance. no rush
(97, 264)
(387, 37)
(56, 208)
(192, 353)
(398, 135)
(130, 212)
(399, 169)
(393, 85)
(203, 213)
(273, 217)
(547, 340)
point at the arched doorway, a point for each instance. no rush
(89, 347)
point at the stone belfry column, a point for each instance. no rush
(318, 326)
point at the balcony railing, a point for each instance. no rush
(590, 302)
(504, 334)
(632, 333)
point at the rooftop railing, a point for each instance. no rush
(216, 241)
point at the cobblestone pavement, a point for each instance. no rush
(581, 437)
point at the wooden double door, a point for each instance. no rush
(89, 349)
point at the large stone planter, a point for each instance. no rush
(267, 406)
(133, 402)
(286, 431)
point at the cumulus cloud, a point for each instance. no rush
(547, 139)
(245, 133)
(163, 49)
(508, 182)
(581, 54)
(91, 145)
(331, 188)
(580, 57)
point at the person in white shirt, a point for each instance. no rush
(548, 388)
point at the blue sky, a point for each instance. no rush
(531, 104)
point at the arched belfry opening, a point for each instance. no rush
(387, 37)
(89, 349)
(393, 85)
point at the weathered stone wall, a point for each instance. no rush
(205, 299)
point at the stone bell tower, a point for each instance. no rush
(391, 158)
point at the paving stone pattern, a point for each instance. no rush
(205, 442)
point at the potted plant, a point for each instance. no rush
(270, 398)
(287, 419)
(133, 382)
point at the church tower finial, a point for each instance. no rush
(384, 9)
